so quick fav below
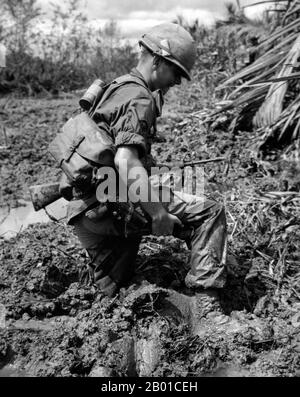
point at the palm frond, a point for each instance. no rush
(272, 107)
(266, 82)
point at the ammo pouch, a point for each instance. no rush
(81, 147)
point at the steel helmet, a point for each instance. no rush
(172, 42)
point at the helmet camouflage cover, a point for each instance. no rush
(172, 42)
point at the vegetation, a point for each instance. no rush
(263, 91)
(267, 91)
(48, 56)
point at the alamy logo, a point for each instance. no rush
(134, 185)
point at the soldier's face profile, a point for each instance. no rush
(168, 74)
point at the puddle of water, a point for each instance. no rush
(18, 219)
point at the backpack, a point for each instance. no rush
(82, 147)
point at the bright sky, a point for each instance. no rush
(134, 16)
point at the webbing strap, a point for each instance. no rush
(119, 82)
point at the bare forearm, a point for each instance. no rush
(162, 222)
(152, 205)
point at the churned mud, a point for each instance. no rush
(52, 325)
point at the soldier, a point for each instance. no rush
(128, 113)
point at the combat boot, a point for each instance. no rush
(205, 311)
(206, 301)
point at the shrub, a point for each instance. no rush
(68, 54)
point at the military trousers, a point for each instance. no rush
(113, 255)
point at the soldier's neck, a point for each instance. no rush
(146, 73)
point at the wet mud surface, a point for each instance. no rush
(52, 325)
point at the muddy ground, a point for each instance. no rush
(51, 325)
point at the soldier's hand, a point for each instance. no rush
(163, 223)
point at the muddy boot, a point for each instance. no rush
(205, 311)
(206, 301)
(107, 286)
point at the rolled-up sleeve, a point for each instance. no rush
(133, 124)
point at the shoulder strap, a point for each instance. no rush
(129, 78)
(115, 85)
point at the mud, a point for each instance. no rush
(51, 325)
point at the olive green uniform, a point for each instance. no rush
(128, 113)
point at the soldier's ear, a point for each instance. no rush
(156, 62)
